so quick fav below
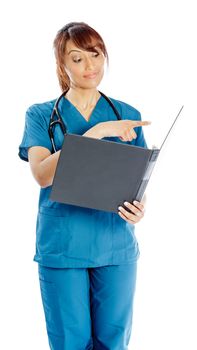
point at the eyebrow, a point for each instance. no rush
(73, 50)
(79, 50)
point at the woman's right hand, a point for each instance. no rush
(124, 129)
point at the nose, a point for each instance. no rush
(89, 64)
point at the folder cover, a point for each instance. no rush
(100, 174)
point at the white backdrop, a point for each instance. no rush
(152, 50)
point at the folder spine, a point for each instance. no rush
(147, 174)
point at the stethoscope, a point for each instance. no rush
(56, 118)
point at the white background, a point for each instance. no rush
(152, 50)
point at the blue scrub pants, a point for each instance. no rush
(88, 308)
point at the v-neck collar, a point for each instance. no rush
(74, 109)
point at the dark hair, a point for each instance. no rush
(82, 36)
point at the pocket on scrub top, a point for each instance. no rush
(50, 227)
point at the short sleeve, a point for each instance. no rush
(35, 131)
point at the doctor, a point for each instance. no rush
(87, 259)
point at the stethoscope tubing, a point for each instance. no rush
(60, 121)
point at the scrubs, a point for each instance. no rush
(80, 248)
(90, 308)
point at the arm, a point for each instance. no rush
(124, 129)
(43, 163)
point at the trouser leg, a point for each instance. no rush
(112, 291)
(66, 302)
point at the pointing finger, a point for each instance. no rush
(140, 123)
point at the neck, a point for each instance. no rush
(83, 98)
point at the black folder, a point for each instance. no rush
(102, 174)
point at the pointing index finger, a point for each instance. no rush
(141, 123)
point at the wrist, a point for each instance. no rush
(101, 129)
(96, 131)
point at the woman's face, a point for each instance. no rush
(85, 69)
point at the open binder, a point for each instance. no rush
(100, 174)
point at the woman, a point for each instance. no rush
(86, 258)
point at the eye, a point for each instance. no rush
(76, 60)
(95, 54)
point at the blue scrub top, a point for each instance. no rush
(68, 235)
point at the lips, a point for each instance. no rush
(91, 75)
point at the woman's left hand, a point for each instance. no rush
(136, 214)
